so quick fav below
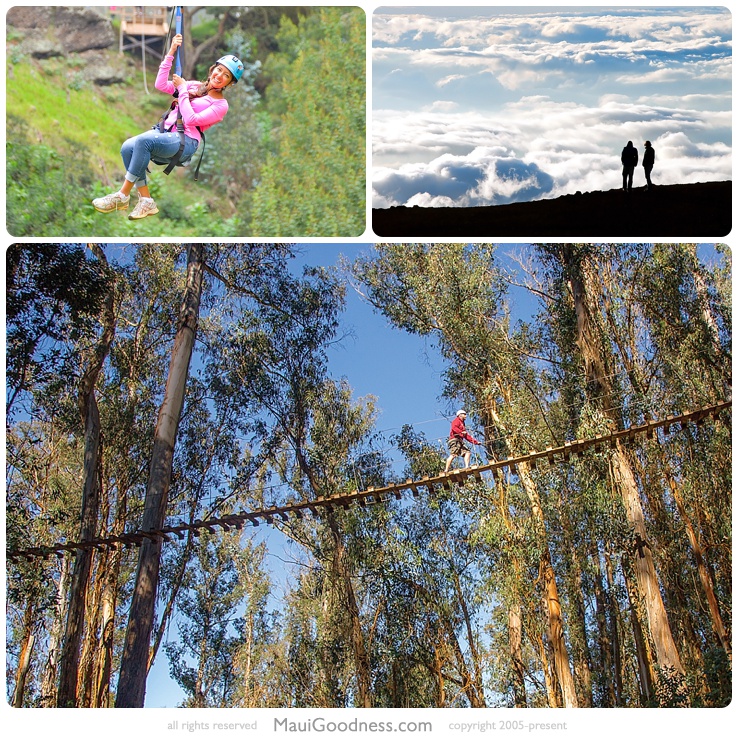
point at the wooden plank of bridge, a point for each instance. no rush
(137, 537)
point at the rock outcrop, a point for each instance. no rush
(49, 31)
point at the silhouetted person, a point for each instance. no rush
(629, 158)
(648, 158)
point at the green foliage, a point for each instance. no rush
(54, 296)
(234, 152)
(204, 30)
(41, 186)
(313, 184)
(672, 690)
(423, 459)
(221, 578)
(719, 674)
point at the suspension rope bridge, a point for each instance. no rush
(370, 496)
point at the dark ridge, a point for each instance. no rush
(678, 211)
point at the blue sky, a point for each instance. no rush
(399, 369)
(486, 106)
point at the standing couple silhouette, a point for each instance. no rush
(629, 160)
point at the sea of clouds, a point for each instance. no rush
(516, 107)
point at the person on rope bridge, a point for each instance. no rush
(197, 107)
(456, 440)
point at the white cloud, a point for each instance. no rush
(537, 148)
(567, 90)
(444, 106)
(448, 79)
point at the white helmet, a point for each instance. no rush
(460, 411)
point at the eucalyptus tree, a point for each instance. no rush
(687, 316)
(151, 287)
(428, 577)
(211, 631)
(304, 432)
(670, 327)
(127, 379)
(41, 501)
(242, 269)
(90, 508)
(61, 310)
(54, 296)
(578, 282)
(456, 294)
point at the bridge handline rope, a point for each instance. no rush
(373, 495)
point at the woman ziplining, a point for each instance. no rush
(197, 107)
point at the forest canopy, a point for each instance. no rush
(151, 385)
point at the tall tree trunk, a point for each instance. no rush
(132, 676)
(560, 653)
(184, 560)
(104, 663)
(90, 640)
(515, 640)
(49, 680)
(69, 661)
(614, 618)
(90, 414)
(471, 641)
(90, 643)
(667, 654)
(643, 653)
(24, 660)
(583, 292)
(698, 552)
(603, 637)
(548, 673)
(361, 658)
(581, 654)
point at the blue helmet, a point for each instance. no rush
(233, 64)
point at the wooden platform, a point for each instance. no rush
(142, 26)
(142, 20)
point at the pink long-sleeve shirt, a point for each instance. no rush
(204, 111)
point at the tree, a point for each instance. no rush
(132, 679)
(217, 583)
(90, 509)
(581, 281)
(274, 364)
(454, 293)
(54, 294)
(314, 182)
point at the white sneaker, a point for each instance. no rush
(116, 201)
(144, 207)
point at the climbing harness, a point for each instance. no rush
(232, 63)
(175, 160)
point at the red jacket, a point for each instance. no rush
(458, 430)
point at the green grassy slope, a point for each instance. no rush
(59, 107)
